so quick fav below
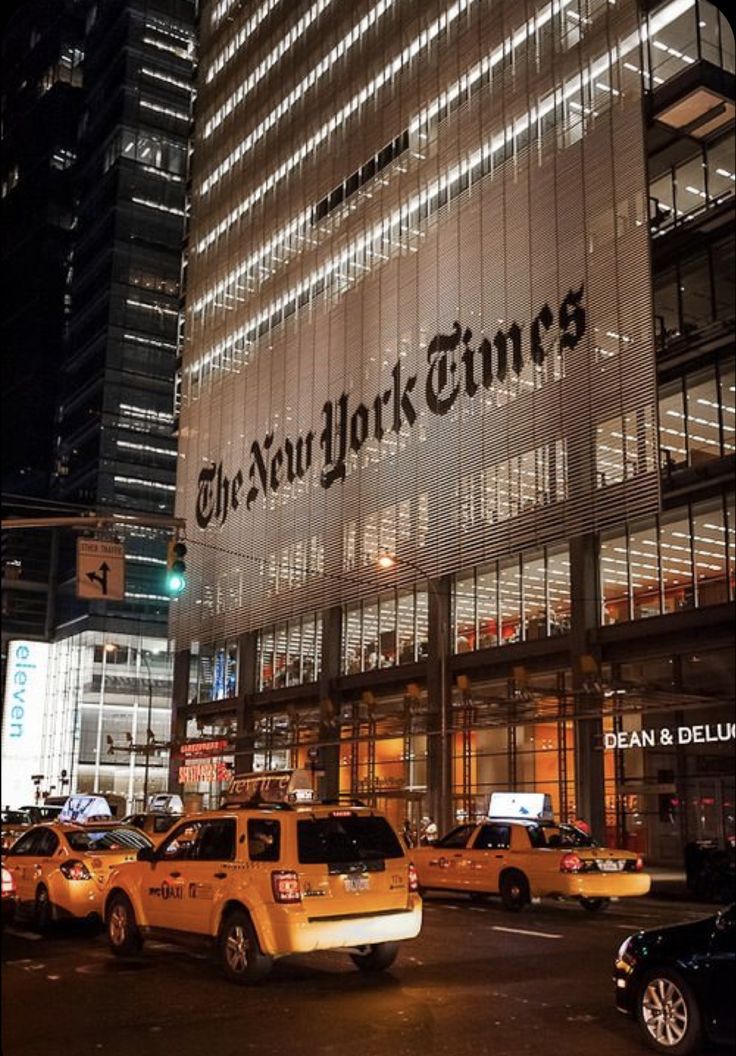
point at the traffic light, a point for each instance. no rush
(176, 570)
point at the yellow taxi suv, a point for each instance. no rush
(525, 859)
(60, 870)
(258, 882)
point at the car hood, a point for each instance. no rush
(675, 939)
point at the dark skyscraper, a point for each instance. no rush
(96, 119)
(115, 444)
(42, 55)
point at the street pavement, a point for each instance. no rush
(477, 980)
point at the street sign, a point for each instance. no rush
(100, 570)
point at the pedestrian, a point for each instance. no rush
(429, 831)
(409, 834)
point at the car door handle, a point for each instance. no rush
(175, 875)
(499, 856)
(457, 855)
(220, 876)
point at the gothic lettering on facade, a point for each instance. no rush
(456, 367)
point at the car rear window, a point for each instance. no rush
(107, 840)
(553, 836)
(346, 839)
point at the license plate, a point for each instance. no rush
(356, 883)
(609, 865)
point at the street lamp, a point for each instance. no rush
(385, 560)
(150, 738)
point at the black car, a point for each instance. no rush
(679, 983)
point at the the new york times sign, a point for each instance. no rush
(454, 369)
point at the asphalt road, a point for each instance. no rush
(478, 980)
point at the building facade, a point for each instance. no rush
(112, 433)
(456, 434)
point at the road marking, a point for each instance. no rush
(521, 931)
(23, 934)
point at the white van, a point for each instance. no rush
(165, 803)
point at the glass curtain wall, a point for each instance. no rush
(682, 559)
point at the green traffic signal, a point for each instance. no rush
(176, 578)
(175, 583)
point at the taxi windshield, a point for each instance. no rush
(351, 838)
(554, 836)
(101, 840)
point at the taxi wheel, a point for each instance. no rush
(377, 957)
(240, 955)
(122, 931)
(668, 1013)
(595, 905)
(41, 910)
(514, 889)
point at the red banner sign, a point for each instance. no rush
(196, 772)
(205, 748)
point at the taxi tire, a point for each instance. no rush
(692, 1038)
(378, 957)
(514, 889)
(241, 958)
(595, 905)
(41, 910)
(131, 941)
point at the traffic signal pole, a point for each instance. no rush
(93, 520)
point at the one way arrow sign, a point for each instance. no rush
(100, 570)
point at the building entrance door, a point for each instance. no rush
(711, 811)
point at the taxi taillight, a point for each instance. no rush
(413, 879)
(8, 883)
(570, 863)
(639, 863)
(75, 871)
(285, 884)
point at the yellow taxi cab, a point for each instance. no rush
(12, 824)
(527, 857)
(273, 873)
(60, 869)
(155, 824)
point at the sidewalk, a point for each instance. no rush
(670, 885)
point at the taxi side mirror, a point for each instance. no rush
(147, 854)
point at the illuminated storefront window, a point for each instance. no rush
(668, 754)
